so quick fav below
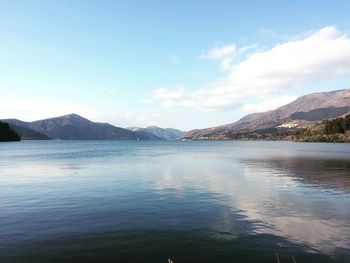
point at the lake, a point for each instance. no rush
(192, 201)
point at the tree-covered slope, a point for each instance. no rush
(7, 134)
(335, 130)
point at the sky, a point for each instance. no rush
(181, 64)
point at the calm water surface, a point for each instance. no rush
(109, 201)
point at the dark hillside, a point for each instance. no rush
(7, 134)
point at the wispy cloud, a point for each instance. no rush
(220, 52)
(246, 48)
(322, 55)
(169, 97)
(226, 54)
(316, 56)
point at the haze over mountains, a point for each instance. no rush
(312, 107)
(75, 127)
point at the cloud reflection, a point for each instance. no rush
(302, 200)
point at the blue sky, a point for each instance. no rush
(181, 64)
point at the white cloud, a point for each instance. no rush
(226, 54)
(220, 52)
(169, 97)
(164, 93)
(246, 48)
(320, 55)
(226, 63)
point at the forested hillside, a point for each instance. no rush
(7, 134)
(335, 130)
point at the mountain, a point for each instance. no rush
(75, 127)
(316, 105)
(7, 134)
(320, 114)
(28, 134)
(144, 132)
(160, 133)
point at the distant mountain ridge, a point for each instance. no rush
(160, 133)
(339, 99)
(75, 127)
(295, 115)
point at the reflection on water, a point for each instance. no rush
(194, 201)
(309, 202)
(318, 172)
(306, 201)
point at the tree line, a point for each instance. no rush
(335, 130)
(338, 125)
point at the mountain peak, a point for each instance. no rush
(73, 116)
